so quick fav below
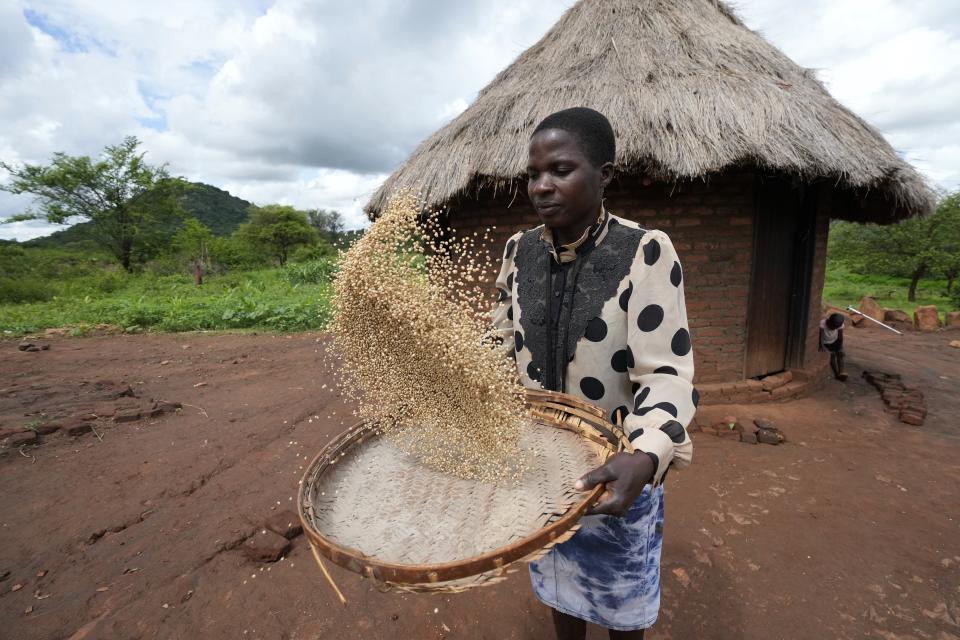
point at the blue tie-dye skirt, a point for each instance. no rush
(608, 573)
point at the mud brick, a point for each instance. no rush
(911, 418)
(786, 391)
(286, 523)
(265, 546)
(23, 438)
(772, 382)
(127, 415)
(77, 428)
(724, 430)
(748, 437)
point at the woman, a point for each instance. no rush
(592, 305)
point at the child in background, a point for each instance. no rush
(831, 339)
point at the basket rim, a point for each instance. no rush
(498, 558)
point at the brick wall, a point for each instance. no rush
(711, 226)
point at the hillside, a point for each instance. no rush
(220, 211)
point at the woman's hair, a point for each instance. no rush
(591, 129)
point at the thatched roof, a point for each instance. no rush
(690, 91)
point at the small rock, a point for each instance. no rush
(127, 415)
(770, 436)
(952, 320)
(166, 407)
(47, 429)
(286, 523)
(955, 344)
(124, 391)
(16, 587)
(102, 589)
(682, 577)
(28, 610)
(23, 346)
(186, 596)
(926, 318)
(23, 438)
(42, 573)
(748, 438)
(265, 546)
(77, 428)
(395, 617)
(763, 423)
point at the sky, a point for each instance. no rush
(313, 103)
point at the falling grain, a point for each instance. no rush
(409, 334)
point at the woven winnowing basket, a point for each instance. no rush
(369, 507)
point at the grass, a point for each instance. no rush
(843, 287)
(295, 298)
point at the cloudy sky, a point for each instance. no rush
(314, 102)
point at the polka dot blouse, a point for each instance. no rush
(604, 321)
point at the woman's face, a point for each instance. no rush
(564, 186)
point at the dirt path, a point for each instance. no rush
(848, 531)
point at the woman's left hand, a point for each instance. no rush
(624, 476)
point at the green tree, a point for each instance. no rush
(278, 229)
(913, 248)
(329, 224)
(131, 204)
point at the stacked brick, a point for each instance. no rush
(908, 404)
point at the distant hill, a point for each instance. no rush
(221, 212)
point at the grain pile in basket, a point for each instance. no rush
(411, 344)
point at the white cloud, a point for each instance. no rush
(313, 102)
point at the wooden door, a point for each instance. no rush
(780, 276)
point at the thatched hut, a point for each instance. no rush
(739, 154)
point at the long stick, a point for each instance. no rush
(316, 556)
(885, 326)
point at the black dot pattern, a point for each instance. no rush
(666, 369)
(650, 318)
(656, 461)
(518, 340)
(511, 243)
(619, 414)
(676, 274)
(510, 281)
(680, 345)
(596, 330)
(675, 430)
(533, 372)
(634, 387)
(510, 312)
(592, 388)
(501, 295)
(668, 407)
(695, 396)
(625, 296)
(622, 360)
(636, 434)
(651, 252)
(638, 401)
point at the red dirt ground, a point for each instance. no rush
(850, 530)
